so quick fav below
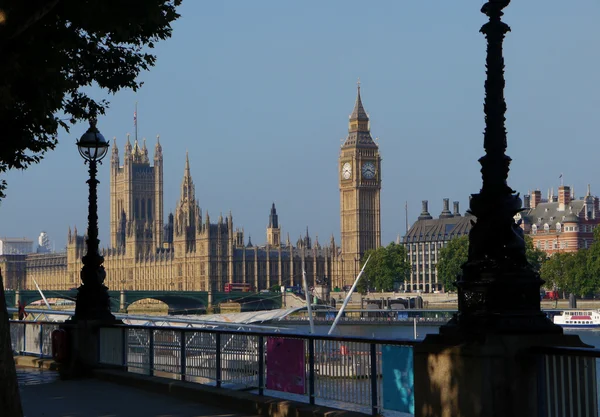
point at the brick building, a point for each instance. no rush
(560, 223)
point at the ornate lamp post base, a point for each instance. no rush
(501, 302)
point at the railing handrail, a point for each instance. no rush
(359, 339)
(583, 352)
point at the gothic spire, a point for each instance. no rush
(157, 148)
(359, 112)
(359, 134)
(273, 220)
(187, 185)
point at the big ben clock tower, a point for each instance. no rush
(360, 186)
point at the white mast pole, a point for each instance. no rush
(41, 293)
(337, 318)
(308, 307)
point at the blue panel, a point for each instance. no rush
(398, 378)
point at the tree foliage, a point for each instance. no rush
(450, 261)
(574, 272)
(455, 254)
(387, 266)
(52, 50)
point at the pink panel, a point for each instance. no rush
(285, 365)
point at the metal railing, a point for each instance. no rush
(32, 338)
(353, 373)
(342, 372)
(567, 381)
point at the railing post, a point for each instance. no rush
(374, 405)
(311, 370)
(124, 345)
(41, 340)
(182, 354)
(151, 352)
(218, 359)
(24, 339)
(261, 365)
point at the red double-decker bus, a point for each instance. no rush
(238, 287)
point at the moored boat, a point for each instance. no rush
(578, 318)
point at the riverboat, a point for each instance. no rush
(578, 319)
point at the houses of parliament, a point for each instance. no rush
(193, 252)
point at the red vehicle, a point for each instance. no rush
(551, 295)
(238, 287)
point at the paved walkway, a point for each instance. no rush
(44, 395)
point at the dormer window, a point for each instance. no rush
(534, 229)
(558, 227)
(546, 228)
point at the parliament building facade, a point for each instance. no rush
(192, 253)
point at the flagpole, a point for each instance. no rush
(135, 120)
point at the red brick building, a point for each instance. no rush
(560, 223)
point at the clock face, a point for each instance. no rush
(346, 171)
(368, 170)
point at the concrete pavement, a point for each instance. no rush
(44, 395)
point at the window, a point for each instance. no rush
(546, 228)
(534, 229)
(558, 227)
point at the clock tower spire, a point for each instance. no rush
(360, 186)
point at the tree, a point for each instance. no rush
(52, 50)
(559, 272)
(455, 254)
(536, 257)
(387, 266)
(450, 262)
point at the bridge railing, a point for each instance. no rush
(30, 338)
(344, 372)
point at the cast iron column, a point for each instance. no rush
(93, 301)
(498, 291)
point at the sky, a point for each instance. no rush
(260, 92)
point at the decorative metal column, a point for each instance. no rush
(93, 302)
(498, 291)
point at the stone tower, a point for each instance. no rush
(273, 230)
(136, 199)
(360, 186)
(188, 217)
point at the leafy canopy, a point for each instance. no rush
(451, 259)
(387, 266)
(51, 50)
(574, 272)
(456, 252)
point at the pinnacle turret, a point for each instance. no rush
(273, 219)
(358, 127)
(359, 112)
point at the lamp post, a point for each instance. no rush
(498, 291)
(93, 302)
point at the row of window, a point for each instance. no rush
(583, 228)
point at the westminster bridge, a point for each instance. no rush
(177, 301)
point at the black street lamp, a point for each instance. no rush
(93, 301)
(498, 291)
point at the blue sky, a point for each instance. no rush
(260, 92)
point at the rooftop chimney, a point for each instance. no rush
(446, 210)
(424, 212)
(536, 198)
(564, 197)
(456, 210)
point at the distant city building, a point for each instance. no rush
(560, 223)
(43, 243)
(191, 253)
(15, 246)
(424, 240)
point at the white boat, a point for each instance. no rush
(578, 319)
